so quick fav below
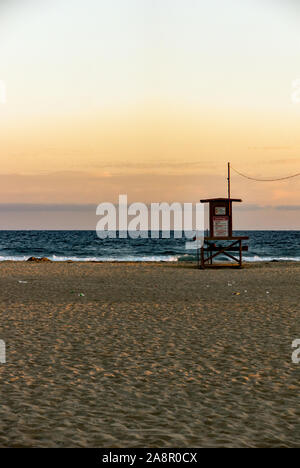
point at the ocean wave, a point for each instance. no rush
(129, 258)
(54, 258)
(13, 258)
(142, 258)
(256, 258)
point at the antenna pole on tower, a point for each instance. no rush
(228, 179)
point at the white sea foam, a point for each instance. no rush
(55, 258)
(13, 259)
(256, 258)
(132, 258)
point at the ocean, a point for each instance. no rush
(86, 246)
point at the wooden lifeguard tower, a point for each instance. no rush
(220, 229)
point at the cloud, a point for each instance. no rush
(81, 188)
(286, 161)
(288, 208)
(47, 207)
(160, 166)
(245, 207)
(90, 207)
(270, 148)
(82, 191)
(254, 207)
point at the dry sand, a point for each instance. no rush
(153, 355)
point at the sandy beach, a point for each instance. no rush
(149, 355)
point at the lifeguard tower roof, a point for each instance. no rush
(221, 200)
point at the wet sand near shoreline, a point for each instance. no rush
(149, 355)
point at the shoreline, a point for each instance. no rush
(153, 263)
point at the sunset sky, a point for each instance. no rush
(148, 98)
